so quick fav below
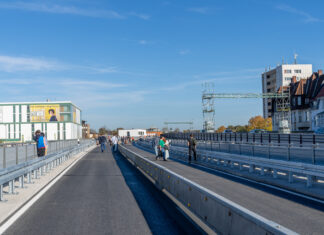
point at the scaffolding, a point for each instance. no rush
(281, 101)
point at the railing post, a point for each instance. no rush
(314, 154)
(278, 139)
(300, 139)
(289, 139)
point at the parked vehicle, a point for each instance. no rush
(258, 131)
(228, 131)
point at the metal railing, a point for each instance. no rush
(313, 154)
(296, 139)
(291, 171)
(220, 214)
(14, 153)
(34, 168)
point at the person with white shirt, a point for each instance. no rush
(114, 140)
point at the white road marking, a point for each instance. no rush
(24, 208)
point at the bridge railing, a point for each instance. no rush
(14, 153)
(220, 214)
(312, 154)
(297, 139)
(291, 171)
(25, 171)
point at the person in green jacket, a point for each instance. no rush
(162, 148)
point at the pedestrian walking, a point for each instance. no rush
(35, 138)
(192, 143)
(155, 144)
(41, 145)
(114, 140)
(45, 142)
(102, 141)
(162, 148)
(166, 148)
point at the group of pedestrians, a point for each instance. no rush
(41, 143)
(102, 141)
(162, 146)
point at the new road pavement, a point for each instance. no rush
(298, 214)
(103, 194)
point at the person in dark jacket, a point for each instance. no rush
(36, 138)
(192, 142)
(102, 141)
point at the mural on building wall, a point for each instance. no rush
(45, 113)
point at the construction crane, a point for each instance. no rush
(179, 123)
(281, 100)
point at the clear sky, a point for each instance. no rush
(136, 64)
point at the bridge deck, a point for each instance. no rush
(91, 198)
(294, 213)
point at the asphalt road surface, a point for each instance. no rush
(103, 194)
(298, 214)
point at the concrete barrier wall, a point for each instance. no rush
(219, 213)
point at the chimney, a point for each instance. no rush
(320, 72)
(294, 79)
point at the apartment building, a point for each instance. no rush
(306, 103)
(273, 79)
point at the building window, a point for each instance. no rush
(268, 76)
(268, 90)
(297, 70)
(306, 100)
(287, 71)
(288, 79)
(268, 83)
(299, 100)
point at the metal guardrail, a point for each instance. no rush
(35, 168)
(310, 154)
(303, 139)
(15, 153)
(271, 167)
(219, 213)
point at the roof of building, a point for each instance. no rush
(40, 102)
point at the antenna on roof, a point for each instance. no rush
(283, 60)
(295, 58)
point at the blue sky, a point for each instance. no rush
(136, 64)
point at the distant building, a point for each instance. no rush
(280, 76)
(85, 130)
(59, 120)
(153, 131)
(306, 103)
(132, 133)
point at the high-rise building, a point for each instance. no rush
(273, 79)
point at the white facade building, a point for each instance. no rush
(282, 75)
(58, 120)
(132, 133)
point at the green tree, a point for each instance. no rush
(103, 131)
